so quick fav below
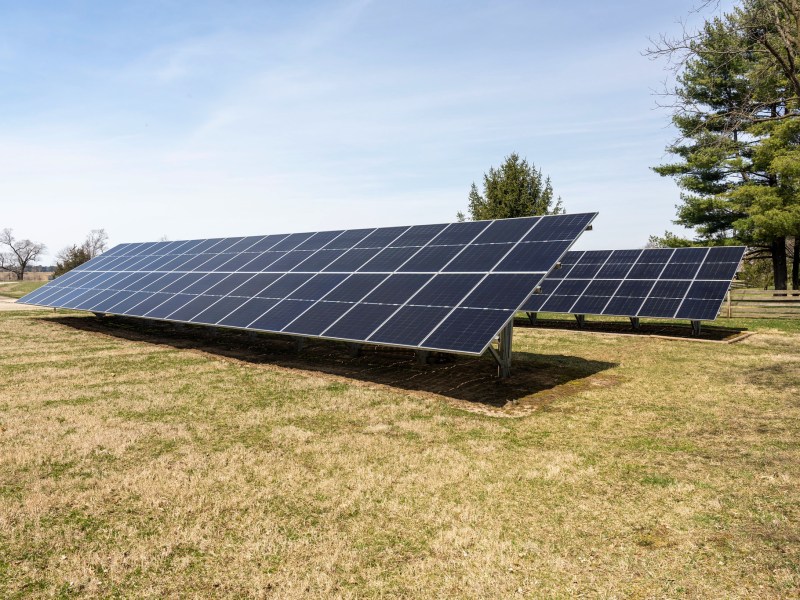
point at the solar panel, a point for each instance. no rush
(448, 287)
(679, 283)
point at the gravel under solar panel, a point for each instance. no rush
(448, 287)
(679, 283)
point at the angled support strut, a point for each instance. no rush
(502, 355)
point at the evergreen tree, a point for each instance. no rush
(71, 257)
(94, 245)
(670, 240)
(771, 207)
(515, 189)
(737, 113)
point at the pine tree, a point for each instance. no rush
(735, 108)
(69, 258)
(515, 189)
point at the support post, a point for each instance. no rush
(99, 315)
(532, 318)
(695, 328)
(503, 353)
(300, 344)
(728, 301)
(422, 356)
(635, 323)
(581, 319)
(354, 350)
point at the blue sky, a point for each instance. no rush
(203, 119)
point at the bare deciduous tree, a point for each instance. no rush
(94, 245)
(96, 242)
(764, 33)
(18, 254)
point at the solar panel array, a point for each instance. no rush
(448, 287)
(680, 283)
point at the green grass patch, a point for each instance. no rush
(658, 480)
(19, 288)
(134, 466)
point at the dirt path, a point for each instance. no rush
(7, 304)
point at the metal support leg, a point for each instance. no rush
(422, 356)
(503, 353)
(696, 328)
(635, 323)
(354, 350)
(300, 344)
(532, 318)
(581, 319)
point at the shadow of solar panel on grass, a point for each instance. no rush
(538, 378)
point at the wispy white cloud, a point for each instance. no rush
(338, 115)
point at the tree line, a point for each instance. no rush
(17, 255)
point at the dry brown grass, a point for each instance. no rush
(142, 464)
(29, 276)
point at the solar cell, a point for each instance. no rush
(681, 283)
(162, 311)
(463, 329)
(533, 256)
(280, 315)
(397, 288)
(409, 325)
(448, 287)
(458, 234)
(318, 317)
(389, 259)
(430, 259)
(359, 322)
(247, 312)
(318, 286)
(352, 259)
(478, 258)
(358, 286)
(590, 304)
(501, 291)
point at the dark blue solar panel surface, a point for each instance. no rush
(449, 286)
(681, 283)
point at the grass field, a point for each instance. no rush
(144, 462)
(42, 276)
(17, 289)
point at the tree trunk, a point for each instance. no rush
(778, 247)
(796, 263)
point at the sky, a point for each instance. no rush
(214, 119)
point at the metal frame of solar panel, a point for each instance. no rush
(448, 287)
(679, 283)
